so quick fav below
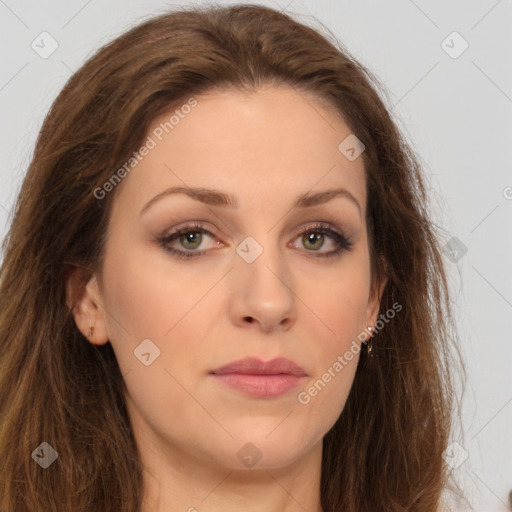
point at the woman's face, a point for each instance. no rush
(270, 279)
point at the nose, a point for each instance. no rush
(263, 296)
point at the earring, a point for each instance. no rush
(369, 344)
(91, 328)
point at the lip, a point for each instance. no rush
(260, 379)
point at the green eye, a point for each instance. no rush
(313, 238)
(192, 237)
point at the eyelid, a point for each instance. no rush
(200, 225)
(315, 225)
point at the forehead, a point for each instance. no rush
(275, 144)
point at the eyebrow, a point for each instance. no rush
(217, 198)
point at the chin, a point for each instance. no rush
(257, 450)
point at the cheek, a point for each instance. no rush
(147, 303)
(149, 298)
(341, 305)
(145, 292)
(336, 351)
(338, 329)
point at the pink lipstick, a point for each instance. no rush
(260, 379)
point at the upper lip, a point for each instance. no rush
(253, 366)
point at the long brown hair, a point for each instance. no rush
(385, 451)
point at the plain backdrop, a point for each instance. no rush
(446, 70)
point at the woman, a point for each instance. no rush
(221, 287)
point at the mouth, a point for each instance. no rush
(259, 379)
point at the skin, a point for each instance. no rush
(265, 148)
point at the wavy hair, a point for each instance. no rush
(385, 452)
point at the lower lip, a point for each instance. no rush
(260, 386)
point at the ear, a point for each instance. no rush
(372, 309)
(83, 298)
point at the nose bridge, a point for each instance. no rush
(263, 278)
(262, 259)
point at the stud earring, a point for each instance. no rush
(91, 328)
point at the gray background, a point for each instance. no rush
(456, 112)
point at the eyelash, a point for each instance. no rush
(345, 244)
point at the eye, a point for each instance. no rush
(312, 239)
(189, 237)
